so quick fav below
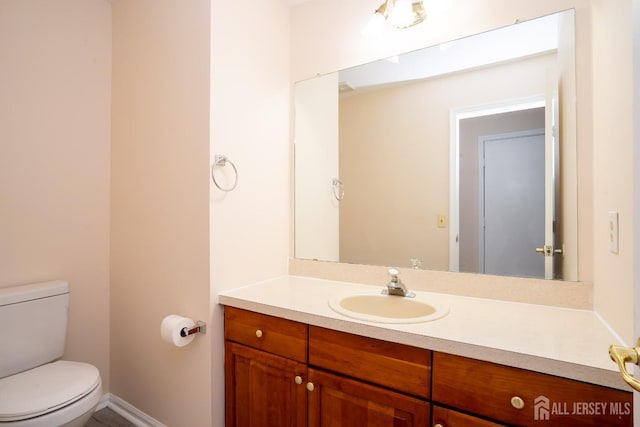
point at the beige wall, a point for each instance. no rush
(160, 206)
(250, 101)
(397, 189)
(613, 167)
(63, 182)
(323, 41)
(55, 81)
(250, 124)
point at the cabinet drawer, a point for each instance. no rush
(443, 417)
(272, 334)
(397, 366)
(495, 391)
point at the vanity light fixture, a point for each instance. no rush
(399, 13)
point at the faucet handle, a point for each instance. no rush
(396, 287)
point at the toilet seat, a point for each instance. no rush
(45, 389)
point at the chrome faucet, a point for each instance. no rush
(396, 287)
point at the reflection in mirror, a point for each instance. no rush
(456, 157)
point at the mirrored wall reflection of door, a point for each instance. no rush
(511, 197)
(501, 214)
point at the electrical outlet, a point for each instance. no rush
(613, 233)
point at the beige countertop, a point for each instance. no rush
(571, 343)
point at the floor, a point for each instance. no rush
(107, 417)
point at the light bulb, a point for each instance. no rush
(374, 26)
(402, 14)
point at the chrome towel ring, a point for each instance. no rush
(338, 189)
(222, 161)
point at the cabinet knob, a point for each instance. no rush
(298, 379)
(517, 402)
(310, 386)
(259, 333)
(438, 425)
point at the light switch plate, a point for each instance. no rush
(614, 246)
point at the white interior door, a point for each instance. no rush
(512, 199)
(552, 254)
(456, 116)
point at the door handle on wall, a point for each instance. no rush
(622, 356)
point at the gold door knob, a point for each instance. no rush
(310, 386)
(298, 379)
(622, 356)
(517, 402)
(259, 333)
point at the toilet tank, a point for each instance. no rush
(33, 325)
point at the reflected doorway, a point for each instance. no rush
(511, 194)
(497, 131)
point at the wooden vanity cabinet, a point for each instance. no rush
(283, 373)
(525, 398)
(265, 370)
(346, 382)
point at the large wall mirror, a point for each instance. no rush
(458, 157)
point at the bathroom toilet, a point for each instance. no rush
(37, 389)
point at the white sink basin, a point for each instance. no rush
(376, 307)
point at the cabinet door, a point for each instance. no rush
(262, 389)
(335, 401)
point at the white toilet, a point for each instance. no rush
(36, 387)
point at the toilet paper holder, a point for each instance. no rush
(199, 327)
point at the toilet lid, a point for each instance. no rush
(45, 388)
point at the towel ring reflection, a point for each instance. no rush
(222, 161)
(338, 189)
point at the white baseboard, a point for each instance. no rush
(104, 401)
(128, 411)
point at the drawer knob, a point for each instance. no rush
(259, 333)
(438, 425)
(517, 402)
(310, 386)
(298, 379)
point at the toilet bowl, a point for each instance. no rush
(37, 388)
(60, 393)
